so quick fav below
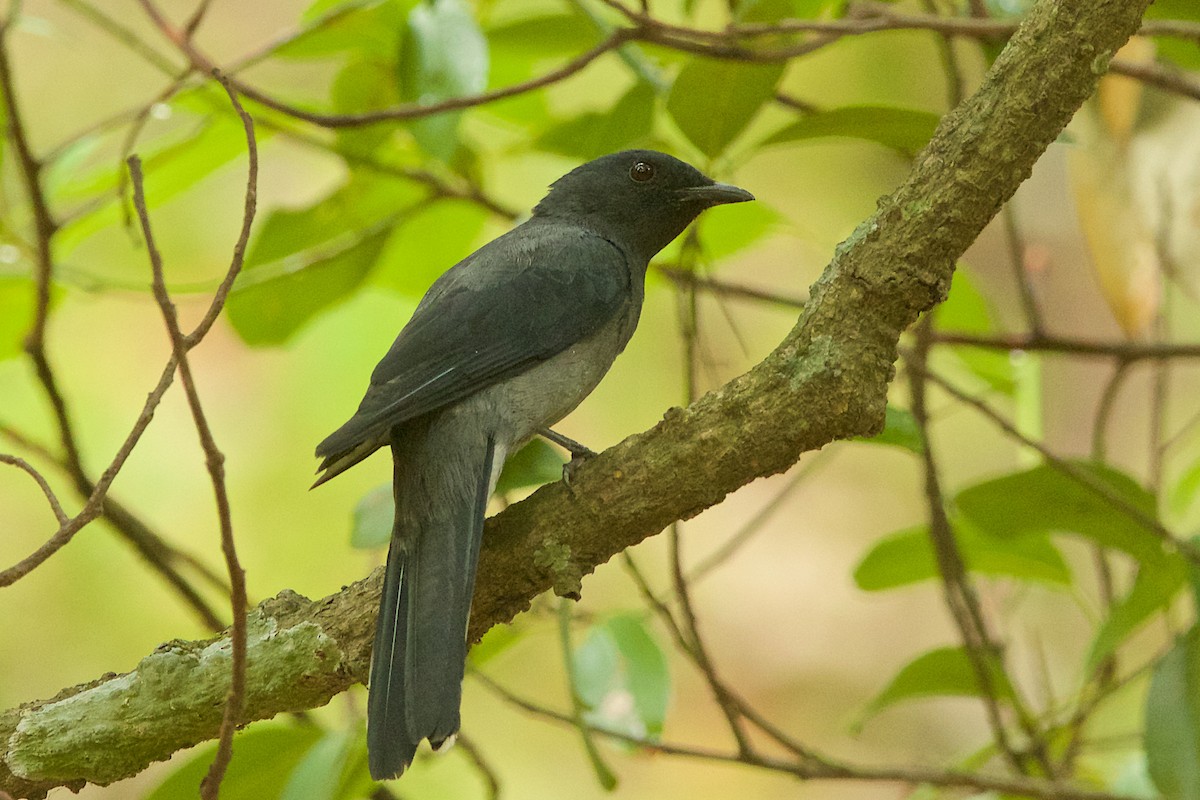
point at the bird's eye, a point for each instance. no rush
(642, 171)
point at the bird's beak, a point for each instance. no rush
(715, 194)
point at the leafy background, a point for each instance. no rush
(828, 613)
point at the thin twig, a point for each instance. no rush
(403, 112)
(1160, 76)
(604, 773)
(1124, 350)
(158, 552)
(955, 82)
(43, 484)
(755, 524)
(1085, 479)
(961, 600)
(1104, 409)
(122, 33)
(689, 323)
(214, 459)
(1020, 270)
(45, 227)
(193, 24)
(686, 277)
(491, 778)
(825, 769)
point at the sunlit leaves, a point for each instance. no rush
(902, 129)
(171, 168)
(517, 46)
(363, 85)
(713, 101)
(1153, 590)
(736, 228)
(443, 54)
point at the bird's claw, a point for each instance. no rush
(578, 459)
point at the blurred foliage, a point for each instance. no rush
(369, 215)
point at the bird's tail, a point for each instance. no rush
(420, 638)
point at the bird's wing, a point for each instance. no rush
(514, 303)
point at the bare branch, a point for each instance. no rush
(982, 651)
(825, 769)
(202, 63)
(42, 483)
(214, 459)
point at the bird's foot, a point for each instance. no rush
(579, 453)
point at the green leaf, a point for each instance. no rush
(1181, 52)
(263, 759)
(373, 515)
(270, 311)
(619, 659)
(629, 123)
(1153, 590)
(534, 464)
(813, 9)
(736, 228)
(966, 310)
(905, 130)
(907, 557)
(1172, 732)
(519, 46)
(443, 55)
(595, 662)
(1186, 490)
(944, 672)
(371, 31)
(899, 430)
(497, 640)
(363, 85)
(169, 170)
(1044, 499)
(321, 773)
(333, 223)
(420, 250)
(16, 314)
(646, 673)
(713, 101)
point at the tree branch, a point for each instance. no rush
(827, 380)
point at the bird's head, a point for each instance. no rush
(640, 199)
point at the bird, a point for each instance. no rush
(503, 345)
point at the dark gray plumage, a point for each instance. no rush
(507, 342)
